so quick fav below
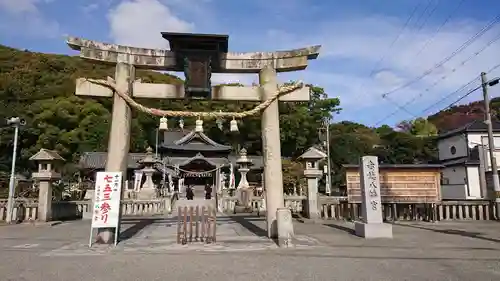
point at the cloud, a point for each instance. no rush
(139, 22)
(358, 44)
(143, 29)
(24, 17)
(352, 47)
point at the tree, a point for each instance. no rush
(293, 175)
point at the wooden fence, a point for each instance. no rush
(337, 208)
(195, 224)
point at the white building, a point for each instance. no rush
(464, 153)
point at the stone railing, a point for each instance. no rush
(27, 210)
(146, 207)
(293, 202)
(23, 210)
(339, 209)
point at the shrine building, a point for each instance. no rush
(187, 154)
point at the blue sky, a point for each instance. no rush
(357, 62)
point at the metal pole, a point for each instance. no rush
(10, 202)
(328, 168)
(491, 143)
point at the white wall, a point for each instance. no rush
(476, 138)
(473, 183)
(454, 183)
(444, 146)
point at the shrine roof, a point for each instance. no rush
(97, 160)
(191, 141)
(476, 126)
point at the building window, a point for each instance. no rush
(453, 150)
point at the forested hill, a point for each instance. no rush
(40, 88)
(458, 116)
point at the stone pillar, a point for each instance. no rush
(271, 145)
(119, 135)
(312, 210)
(45, 200)
(372, 225)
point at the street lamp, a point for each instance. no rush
(15, 122)
(491, 141)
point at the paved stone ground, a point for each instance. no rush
(419, 251)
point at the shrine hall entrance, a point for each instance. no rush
(200, 175)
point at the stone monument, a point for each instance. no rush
(48, 171)
(198, 55)
(148, 188)
(312, 172)
(372, 225)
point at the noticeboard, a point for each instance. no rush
(399, 186)
(106, 205)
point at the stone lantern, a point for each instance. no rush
(148, 188)
(243, 189)
(312, 157)
(49, 163)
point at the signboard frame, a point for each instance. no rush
(107, 203)
(422, 189)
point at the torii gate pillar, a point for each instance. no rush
(271, 144)
(119, 135)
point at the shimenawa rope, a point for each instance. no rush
(282, 90)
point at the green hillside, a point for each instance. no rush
(40, 88)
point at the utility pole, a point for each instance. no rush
(15, 122)
(491, 141)
(328, 168)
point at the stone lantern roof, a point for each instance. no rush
(47, 155)
(150, 159)
(243, 159)
(313, 154)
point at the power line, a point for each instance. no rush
(461, 88)
(376, 66)
(461, 98)
(438, 30)
(453, 54)
(475, 54)
(450, 94)
(454, 92)
(429, 3)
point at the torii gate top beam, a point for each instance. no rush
(164, 60)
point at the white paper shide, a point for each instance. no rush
(107, 199)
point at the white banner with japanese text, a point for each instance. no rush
(106, 209)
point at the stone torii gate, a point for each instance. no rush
(127, 59)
